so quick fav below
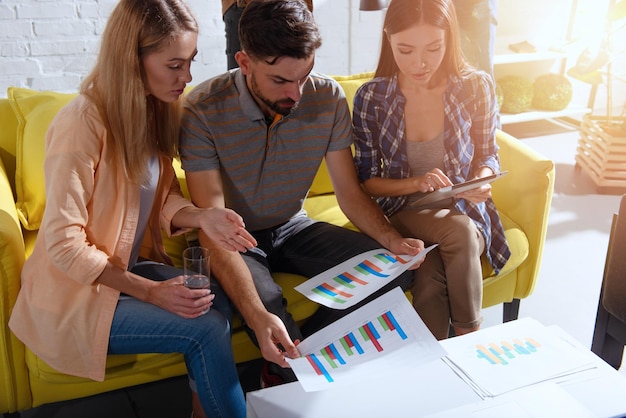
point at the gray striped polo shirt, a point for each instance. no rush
(266, 173)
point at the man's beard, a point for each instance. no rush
(275, 106)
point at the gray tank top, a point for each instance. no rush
(423, 156)
(148, 191)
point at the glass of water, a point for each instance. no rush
(196, 268)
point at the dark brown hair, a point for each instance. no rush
(403, 14)
(269, 29)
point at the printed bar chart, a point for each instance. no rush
(332, 355)
(339, 288)
(505, 352)
(516, 354)
(349, 348)
(353, 280)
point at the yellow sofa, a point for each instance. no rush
(523, 198)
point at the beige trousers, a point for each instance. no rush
(447, 287)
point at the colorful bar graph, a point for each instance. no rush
(335, 355)
(341, 287)
(366, 268)
(390, 258)
(395, 326)
(318, 367)
(506, 351)
(354, 343)
(385, 258)
(351, 281)
(320, 291)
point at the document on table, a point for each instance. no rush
(511, 356)
(383, 338)
(350, 282)
(536, 401)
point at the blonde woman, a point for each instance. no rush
(99, 281)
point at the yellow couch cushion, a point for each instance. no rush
(349, 84)
(518, 244)
(34, 111)
(49, 385)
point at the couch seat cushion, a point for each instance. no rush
(518, 244)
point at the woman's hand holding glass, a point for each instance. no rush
(174, 297)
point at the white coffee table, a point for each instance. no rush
(436, 388)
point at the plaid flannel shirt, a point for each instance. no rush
(469, 140)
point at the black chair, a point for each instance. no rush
(609, 335)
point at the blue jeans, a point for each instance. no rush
(205, 342)
(305, 247)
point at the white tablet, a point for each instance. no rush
(450, 191)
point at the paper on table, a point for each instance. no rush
(380, 338)
(536, 401)
(516, 354)
(415, 392)
(350, 282)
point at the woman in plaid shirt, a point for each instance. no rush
(428, 120)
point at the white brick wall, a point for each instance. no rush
(52, 44)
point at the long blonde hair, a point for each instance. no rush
(138, 124)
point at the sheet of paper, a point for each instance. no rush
(601, 389)
(545, 400)
(350, 282)
(516, 354)
(415, 392)
(378, 339)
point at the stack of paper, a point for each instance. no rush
(511, 356)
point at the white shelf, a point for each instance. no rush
(513, 57)
(548, 35)
(506, 118)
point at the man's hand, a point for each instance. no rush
(270, 332)
(408, 246)
(226, 228)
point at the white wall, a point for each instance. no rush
(52, 44)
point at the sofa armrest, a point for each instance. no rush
(525, 196)
(8, 139)
(14, 386)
